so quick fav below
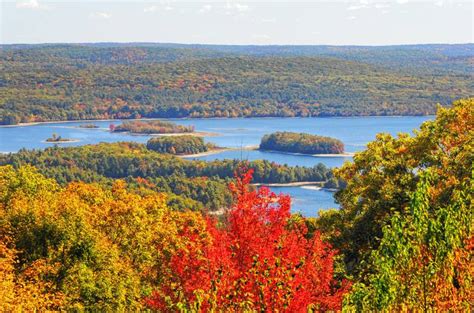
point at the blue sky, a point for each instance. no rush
(314, 22)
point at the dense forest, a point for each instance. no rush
(205, 183)
(78, 82)
(401, 241)
(301, 143)
(178, 145)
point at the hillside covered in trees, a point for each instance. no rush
(191, 184)
(77, 82)
(402, 240)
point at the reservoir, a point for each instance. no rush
(239, 133)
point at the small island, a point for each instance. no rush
(151, 127)
(179, 145)
(90, 125)
(55, 138)
(301, 143)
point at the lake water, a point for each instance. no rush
(355, 132)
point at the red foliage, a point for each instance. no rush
(259, 259)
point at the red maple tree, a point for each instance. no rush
(259, 258)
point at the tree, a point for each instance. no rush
(424, 261)
(258, 259)
(28, 289)
(382, 179)
(81, 247)
(10, 119)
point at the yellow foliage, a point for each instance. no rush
(84, 246)
(29, 290)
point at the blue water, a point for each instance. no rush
(355, 132)
(281, 158)
(306, 200)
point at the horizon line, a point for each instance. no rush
(234, 44)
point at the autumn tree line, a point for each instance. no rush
(179, 145)
(71, 239)
(301, 143)
(151, 127)
(192, 184)
(80, 82)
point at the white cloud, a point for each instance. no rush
(30, 4)
(100, 15)
(439, 3)
(260, 37)
(402, 1)
(153, 8)
(356, 7)
(268, 20)
(352, 17)
(241, 7)
(236, 6)
(205, 8)
(164, 5)
(381, 5)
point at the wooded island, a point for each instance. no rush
(301, 143)
(151, 127)
(179, 145)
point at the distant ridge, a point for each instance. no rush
(112, 80)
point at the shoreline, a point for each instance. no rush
(216, 151)
(329, 155)
(335, 155)
(201, 154)
(309, 185)
(61, 142)
(55, 122)
(256, 148)
(293, 184)
(195, 134)
(320, 188)
(210, 118)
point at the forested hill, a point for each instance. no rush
(426, 58)
(70, 82)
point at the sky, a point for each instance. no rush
(310, 22)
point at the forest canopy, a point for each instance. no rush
(301, 143)
(205, 183)
(80, 82)
(178, 144)
(405, 227)
(402, 240)
(151, 127)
